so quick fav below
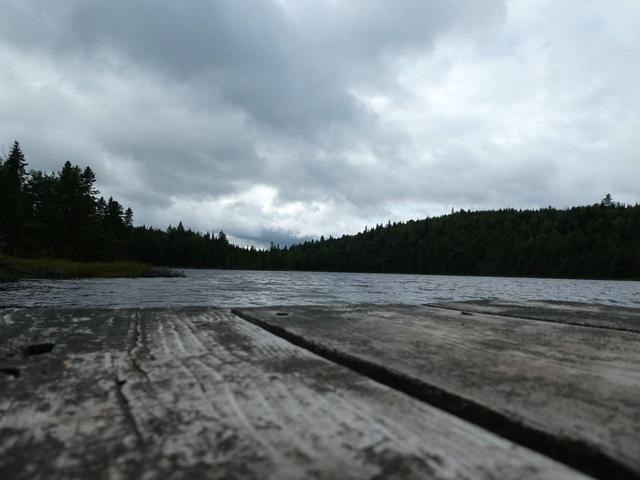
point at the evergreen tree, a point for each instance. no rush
(15, 164)
(76, 209)
(88, 181)
(101, 208)
(13, 203)
(607, 201)
(114, 239)
(128, 218)
(45, 221)
(114, 215)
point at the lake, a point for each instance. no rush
(234, 288)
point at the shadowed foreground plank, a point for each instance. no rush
(568, 391)
(200, 393)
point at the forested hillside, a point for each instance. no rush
(599, 241)
(62, 215)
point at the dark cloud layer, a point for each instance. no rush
(278, 120)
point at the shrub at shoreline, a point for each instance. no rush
(14, 268)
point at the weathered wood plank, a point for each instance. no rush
(573, 313)
(195, 393)
(569, 391)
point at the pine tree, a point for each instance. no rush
(13, 204)
(607, 201)
(15, 165)
(101, 208)
(45, 221)
(88, 181)
(114, 214)
(128, 218)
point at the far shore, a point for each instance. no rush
(15, 268)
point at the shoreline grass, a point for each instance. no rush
(16, 268)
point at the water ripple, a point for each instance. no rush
(231, 288)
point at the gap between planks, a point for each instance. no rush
(471, 311)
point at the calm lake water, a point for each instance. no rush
(231, 288)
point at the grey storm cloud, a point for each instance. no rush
(283, 120)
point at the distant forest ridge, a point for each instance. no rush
(62, 215)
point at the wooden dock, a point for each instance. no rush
(488, 390)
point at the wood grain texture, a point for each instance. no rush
(576, 388)
(572, 313)
(201, 393)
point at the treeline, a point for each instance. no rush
(60, 214)
(598, 241)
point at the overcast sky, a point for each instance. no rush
(286, 119)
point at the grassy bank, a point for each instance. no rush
(14, 268)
